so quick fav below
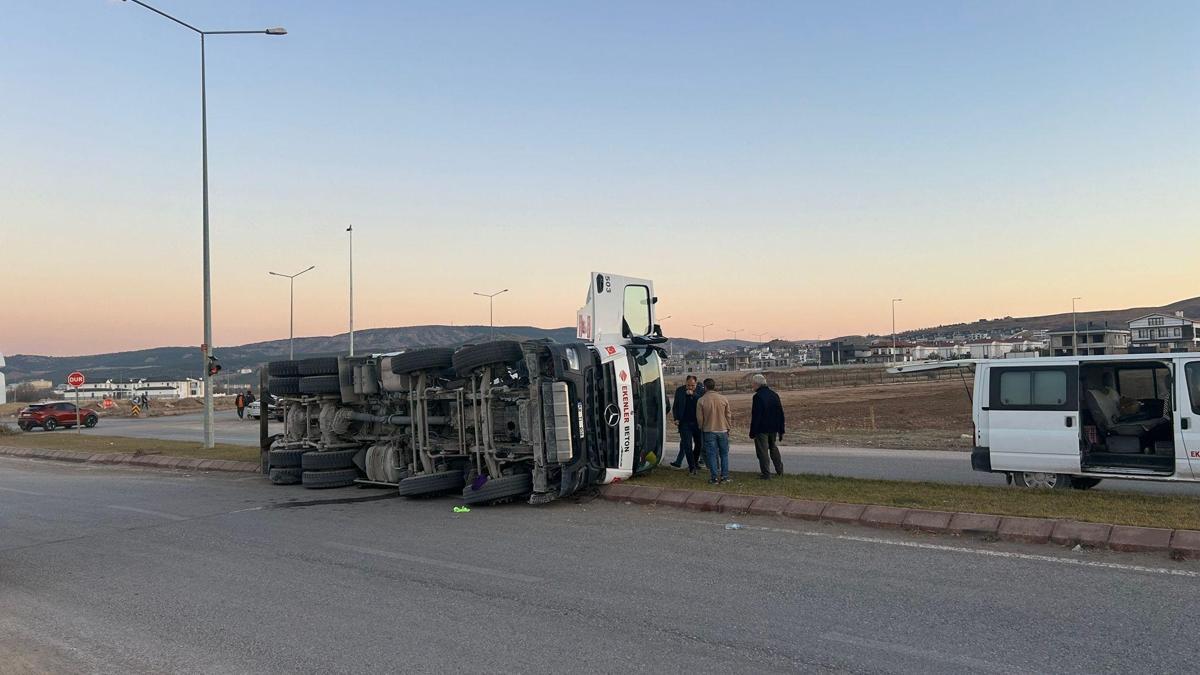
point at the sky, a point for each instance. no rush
(784, 168)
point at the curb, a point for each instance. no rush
(1180, 544)
(128, 459)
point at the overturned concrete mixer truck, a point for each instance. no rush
(494, 421)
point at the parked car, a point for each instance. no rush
(51, 416)
(254, 410)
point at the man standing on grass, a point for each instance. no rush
(684, 412)
(766, 427)
(715, 420)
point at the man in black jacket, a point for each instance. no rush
(684, 412)
(766, 427)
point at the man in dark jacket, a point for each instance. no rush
(684, 413)
(766, 427)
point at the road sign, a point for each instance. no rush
(76, 379)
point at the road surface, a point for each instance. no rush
(110, 570)
(917, 465)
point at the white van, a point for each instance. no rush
(1071, 421)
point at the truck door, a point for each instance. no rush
(1187, 389)
(1033, 418)
(618, 308)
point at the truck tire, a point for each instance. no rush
(286, 476)
(468, 358)
(320, 384)
(324, 365)
(284, 459)
(283, 369)
(504, 487)
(283, 386)
(431, 484)
(329, 479)
(436, 358)
(329, 459)
(1041, 481)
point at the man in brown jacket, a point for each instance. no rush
(715, 420)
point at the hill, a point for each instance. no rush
(1114, 318)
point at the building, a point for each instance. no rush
(1089, 342)
(156, 387)
(1163, 333)
(3, 388)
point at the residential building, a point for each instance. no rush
(1089, 341)
(1163, 333)
(156, 387)
(3, 389)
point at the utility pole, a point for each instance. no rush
(704, 342)
(894, 301)
(350, 229)
(209, 428)
(491, 312)
(735, 332)
(760, 335)
(292, 308)
(1074, 330)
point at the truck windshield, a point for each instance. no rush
(649, 409)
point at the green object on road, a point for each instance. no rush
(462, 509)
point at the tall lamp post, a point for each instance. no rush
(702, 328)
(350, 229)
(1074, 330)
(491, 307)
(209, 440)
(894, 301)
(292, 307)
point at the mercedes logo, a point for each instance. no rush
(612, 415)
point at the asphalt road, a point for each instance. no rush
(916, 465)
(117, 571)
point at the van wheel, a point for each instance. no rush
(1080, 483)
(1043, 481)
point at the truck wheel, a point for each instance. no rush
(50, 424)
(286, 476)
(329, 459)
(285, 459)
(282, 386)
(431, 484)
(468, 358)
(90, 421)
(1041, 481)
(436, 358)
(324, 365)
(283, 369)
(496, 489)
(329, 479)
(1081, 483)
(320, 384)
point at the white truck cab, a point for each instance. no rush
(1072, 421)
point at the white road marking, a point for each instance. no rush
(965, 550)
(927, 654)
(458, 567)
(148, 512)
(23, 492)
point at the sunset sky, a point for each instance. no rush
(782, 167)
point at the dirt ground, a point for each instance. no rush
(926, 416)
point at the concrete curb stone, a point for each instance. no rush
(974, 523)
(803, 509)
(703, 501)
(843, 513)
(735, 503)
(1071, 532)
(644, 495)
(1139, 539)
(675, 498)
(768, 506)
(1185, 544)
(889, 517)
(618, 492)
(1028, 530)
(919, 520)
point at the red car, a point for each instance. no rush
(51, 416)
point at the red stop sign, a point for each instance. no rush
(76, 379)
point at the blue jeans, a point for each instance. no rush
(689, 445)
(716, 448)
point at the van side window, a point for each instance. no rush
(1031, 389)
(1193, 381)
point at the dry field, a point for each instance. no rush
(928, 416)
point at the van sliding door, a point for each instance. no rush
(1033, 418)
(1188, 415)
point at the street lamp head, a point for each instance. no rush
(276, 31)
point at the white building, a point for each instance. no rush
(1163, 333)
(152, 387)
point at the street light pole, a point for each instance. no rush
(292, 308)
(209, 431)
(704, 342)
(760, 335)
(491, 310)
(894, 301)
(350, 229)
(735, 332)
(1074, 330)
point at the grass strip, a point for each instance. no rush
(1119, 508)
(87, 442)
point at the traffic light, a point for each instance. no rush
(214, 366)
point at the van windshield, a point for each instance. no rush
(648, 409)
